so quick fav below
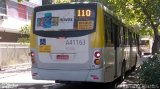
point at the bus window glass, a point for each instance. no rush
(121, 35)
(129, 38)
(107, 23)
(112, 32)
(117, 35)
(144, 42)
(126, 37)
(65, 19)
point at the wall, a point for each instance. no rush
(18, 15)
(14, 53)
(9, 37)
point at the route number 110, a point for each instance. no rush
(84, 13)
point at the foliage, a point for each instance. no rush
(142, 13)
(149, 71)
(62, 1)
(132, 13)
(50, 1)
(22, 0)
(146, 31)
(24, 34)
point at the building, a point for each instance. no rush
(13, 16)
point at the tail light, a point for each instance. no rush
(32, 57)
(97, 54)
(97, 61)
(32, 54)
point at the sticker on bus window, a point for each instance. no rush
(40, 22)
(47, 20)
(55, 21)
(85, 25)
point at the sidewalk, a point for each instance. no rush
(131, 81)
(142, 59)
(20, 73)
(12, 70)
(16, 67)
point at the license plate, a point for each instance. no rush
(62, 57)
(45, 48)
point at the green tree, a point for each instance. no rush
(22, 0)
(46, 2)
(62, 1)
(24, 34)
(145, 13)
(142, 13)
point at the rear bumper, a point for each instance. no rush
(95, 75)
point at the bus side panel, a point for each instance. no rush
(133, 56)
(127, 56)
(111, 62)
(32, 36)
(109, 58)
(97, 39)
(120, 53)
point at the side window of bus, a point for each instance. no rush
(133, 38)
(112, 32)
(107, 25)
(137, 39)
(130, 38)
(121, 35)
(116, 35)
(124, 36)
(125, 32)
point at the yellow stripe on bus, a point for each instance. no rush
(97, 38)
(32, 36)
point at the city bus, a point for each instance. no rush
(81, 42)
(146, 43)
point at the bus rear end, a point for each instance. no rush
(146, 45)
(62, 43)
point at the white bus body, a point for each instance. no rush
(73, 45)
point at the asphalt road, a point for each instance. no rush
(68, 86)
(21, 79)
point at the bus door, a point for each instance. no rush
(117, 48)
(112, 51)
(131, 54)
